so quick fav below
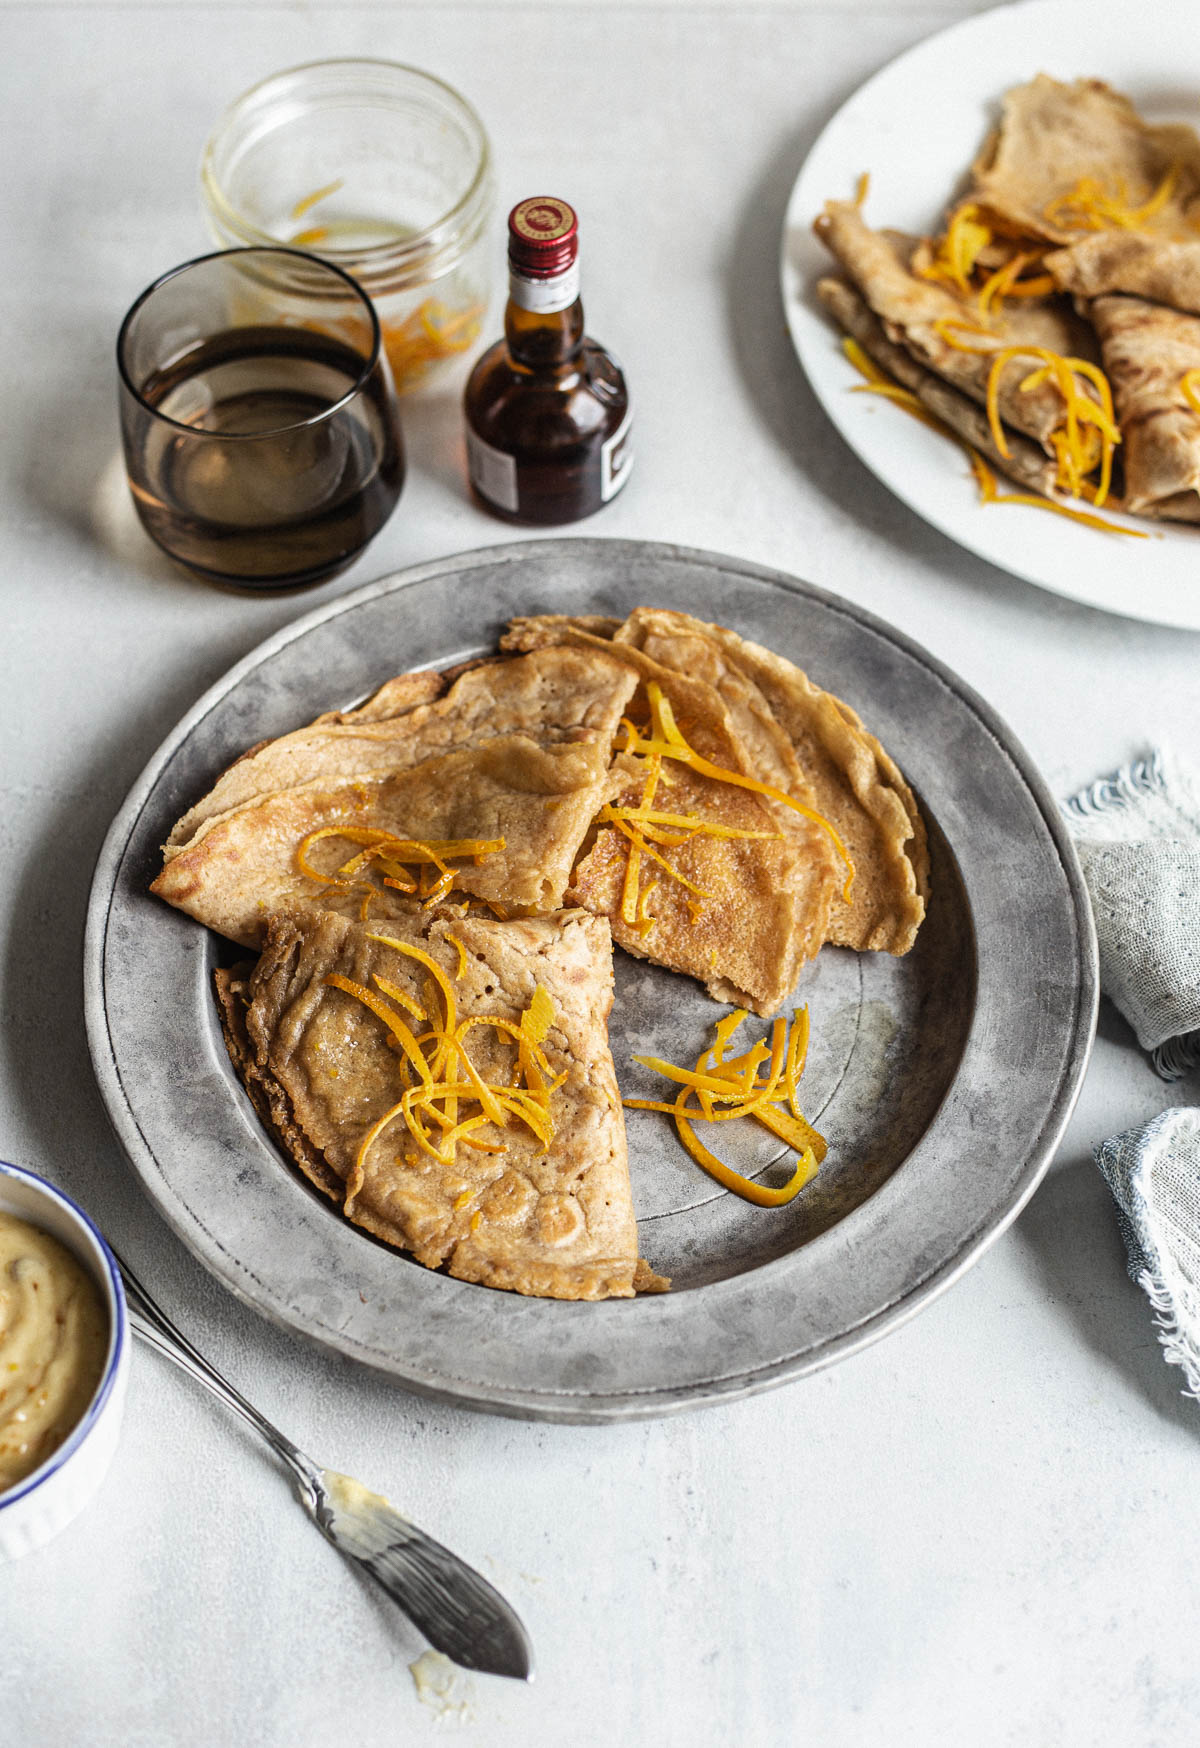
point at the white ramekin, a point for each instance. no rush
(36, 1508)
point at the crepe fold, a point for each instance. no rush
(771, 903)
(321, 1071)
(1147, 351)
(1026, 462)
(1159, 269)
(1053, 137)
(919, 314)
(517, 751)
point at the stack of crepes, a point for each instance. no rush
(434, 881)
(1054, 325)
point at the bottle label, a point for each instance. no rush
(616, 458)
(492, 473)
(543, 296)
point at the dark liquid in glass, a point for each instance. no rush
(247, 491)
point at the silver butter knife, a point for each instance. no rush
(458, 1611)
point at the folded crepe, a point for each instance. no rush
(914, 312)
(1026, 462)
(514, 754)
(830, 756)
(1147, 351)
(1054, 137)
(1159, 269)
(724, 884)
(779, 729)
(324, 1070)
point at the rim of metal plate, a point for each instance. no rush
(968, 1177)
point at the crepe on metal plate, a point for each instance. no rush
(910, 308)
(518, 750)
(853, 782)
(1053, 136)
(318, 1068)
(1147, 350)
(800, 739)
(756, 909)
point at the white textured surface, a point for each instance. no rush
(980, 1531)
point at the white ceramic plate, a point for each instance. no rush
(915, 127)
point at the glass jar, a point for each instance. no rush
(380, 169)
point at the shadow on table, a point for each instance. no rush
(1070, 1232)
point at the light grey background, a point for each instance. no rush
(981, 1530)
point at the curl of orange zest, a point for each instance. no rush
(357, 1177)
(797, 1056)
(795, 1130)
(395, 993)
(431, 965)
(1089, 206)
(453, 1045)
(1189, 388)
(965, 238)
(463, 956)
(746, 1188)
(691, 821)
(991, 495)
(390, 1018)
(639, 842)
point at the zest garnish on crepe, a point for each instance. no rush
(447, 1081)
(1074, 197)
(443, 1074)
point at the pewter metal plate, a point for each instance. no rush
(942, 1080)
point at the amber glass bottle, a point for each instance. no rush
(547, 409)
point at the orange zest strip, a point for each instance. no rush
(640, 843)
(1090, 207)
(991, 495)
(434, 1100)
(883, 386)
(745, 1187)
(672, 745)
(387, 854)
(1189, 388)
(463, 956)
(691, 822)
(314, 199)
(734, 1083)
(965, 238)
(390, 1018)
(428, 333)
(394, 992)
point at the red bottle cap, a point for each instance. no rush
(543, 237)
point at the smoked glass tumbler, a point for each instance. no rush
(258, 417)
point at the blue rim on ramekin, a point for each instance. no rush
(116, 1345)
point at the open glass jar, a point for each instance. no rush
(379, 168)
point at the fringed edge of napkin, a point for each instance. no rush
(1180, 1347)
(1142, 777)
(1114, 794)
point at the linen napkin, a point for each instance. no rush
(1138, 838)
